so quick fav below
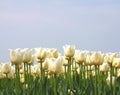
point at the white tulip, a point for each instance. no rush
(27, 55)
(110, 56)
(88, 60)
(52, 53)
(22, 80)
(104, 67)
(59, 66)
(79, 56)
(97, 58)
(31, 61)
(55, 66)
(35, 70)
(16, 56)
(51, 65)
(6, 68)
(65, 61)
(45, 65)
(11, 75)
(69, 51)
(116, 62)
(40, 54)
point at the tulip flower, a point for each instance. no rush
(104, 67)
(69, 51)
(116, 62)
(27, 55)
(110, 56)
(16, 56)
(40, 54)
(80, 56)
(6, 68)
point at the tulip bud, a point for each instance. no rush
(79, 56)
(116, 62)
(53, 53)
(59, 66)
(110, 56)
(16, 56)
(40, 54)
(69, 51)
(104, 67)
(31, 61)
(97, 58)
(27, 55)
(6, 68)
(45, 65)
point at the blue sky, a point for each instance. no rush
(88, 24)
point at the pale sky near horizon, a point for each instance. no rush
(87, 24)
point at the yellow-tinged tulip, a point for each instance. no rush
(80, 56)
(69, 51)
(104, 67)
(97, 58)
(31, 61)
(88, 60)
(45, 65)
(6, 68)
(116, 62)
(27, 55)
(16, 56)
(110, 56)
(59, 66)
(40, 54)
(52, 53)
(55, 66)
(51, 65)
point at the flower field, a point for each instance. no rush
(48, 72)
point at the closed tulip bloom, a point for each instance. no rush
(22, 80)
(6, 68)
(116, 62)
(27, 55)
(97, 58)
(79, 56)
(52, 53)
(88, 60)
(65, 61)
(55, 66)
(104, 67)
(16, 56)
(40, 54)
(51, 65)
(59, 66)
(45, 65)
(31, 61)
(11, 74)
(110, 56)
(69, 51)
(35, 70)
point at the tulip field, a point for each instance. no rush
(48, 72)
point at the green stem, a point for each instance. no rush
(41, 85)
(95, 80)
(99, 81)
(55, 88)
(114, 88)
(111, 74)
